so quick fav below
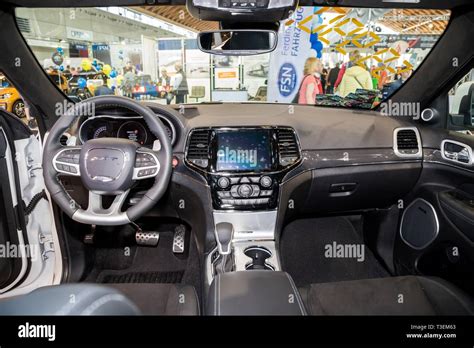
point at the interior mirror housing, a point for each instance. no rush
(267, 11)
(242, 42)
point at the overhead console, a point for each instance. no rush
(243, 165)
(241, 10)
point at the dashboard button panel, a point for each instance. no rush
(244, 192)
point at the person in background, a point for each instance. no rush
(128, 80)
(74, 72)
(180, 84)
(67, 71)
(165, 82)
(324, 77)
(345, 66)
(383, 76)
(103, 89)
(332, 78)
(401, 79)
(355, 77)
(311, 84)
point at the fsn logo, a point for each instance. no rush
(287, 79)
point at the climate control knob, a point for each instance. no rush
(223, 182)
(245, 190)
(266, 181)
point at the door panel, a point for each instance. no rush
(13, 261)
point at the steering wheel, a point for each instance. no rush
(107, 166)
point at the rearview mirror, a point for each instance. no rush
(237, 42)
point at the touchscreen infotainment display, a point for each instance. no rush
(244, 150)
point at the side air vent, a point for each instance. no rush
(23, 24)
(288, 148)
(198, 148)
(407, 142)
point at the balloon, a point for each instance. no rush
(60, 50)
(95, 62)
(107, 69)
(86, 65)
(61, 68)
(112, 74)
(81, 82)
(119, 79)
(98, 67)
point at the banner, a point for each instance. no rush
(295, 45)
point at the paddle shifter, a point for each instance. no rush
(224, 235)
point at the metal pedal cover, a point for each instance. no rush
(147, 238)
(178, 239)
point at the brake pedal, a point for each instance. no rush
(178, 239)
(147, 238)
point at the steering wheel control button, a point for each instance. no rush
(144, 160)
(266, 181)
(223, 182)
(67, 161)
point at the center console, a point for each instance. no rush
(244, 168)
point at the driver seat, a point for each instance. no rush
(113, 299)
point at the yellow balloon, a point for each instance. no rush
(86, 65)
(119, 79)
(107, 69)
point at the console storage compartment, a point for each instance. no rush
(254, 292)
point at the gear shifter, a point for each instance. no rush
(224, 235)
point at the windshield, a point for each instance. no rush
(328, 56)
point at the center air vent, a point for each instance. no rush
(198, 148)
(288, 149)
(406, 142)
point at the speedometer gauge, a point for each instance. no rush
(100, 132)
(134, 131)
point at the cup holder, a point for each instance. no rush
(259, 256)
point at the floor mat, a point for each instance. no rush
(140, 277)
(326, 250)
(141, 264)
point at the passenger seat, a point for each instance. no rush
(407, 295)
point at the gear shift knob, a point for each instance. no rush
(224, 235)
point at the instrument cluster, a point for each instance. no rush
(132, 128)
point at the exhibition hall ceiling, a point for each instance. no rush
(433, 22)
(178, 15)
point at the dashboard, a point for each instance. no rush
(126, 127)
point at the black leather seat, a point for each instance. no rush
(110, 299)
(408, 295)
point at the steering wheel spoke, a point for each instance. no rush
(66, 161)
(97, 214)
(147, 164)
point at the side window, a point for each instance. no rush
(461, 103)
(12, 101)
